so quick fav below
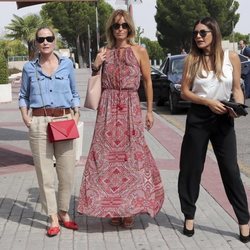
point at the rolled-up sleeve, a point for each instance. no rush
(76, 97)
(24, 94)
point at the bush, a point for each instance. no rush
(3, 69)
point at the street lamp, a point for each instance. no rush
(233, 34)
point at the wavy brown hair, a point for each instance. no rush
(109, 30)
(195, 61)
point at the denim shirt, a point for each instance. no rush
(58, 90)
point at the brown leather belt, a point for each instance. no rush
(55, 112)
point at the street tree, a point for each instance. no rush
(175, 20)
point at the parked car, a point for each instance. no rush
(172, 67)
(167, 82)
(245, 74)
(158, 81)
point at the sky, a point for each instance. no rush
(143, 15)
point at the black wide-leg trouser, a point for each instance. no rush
(203, 125)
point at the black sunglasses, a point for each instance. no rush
(202, 33)
(116, 26)
(49, 39)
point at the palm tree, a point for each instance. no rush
(24, 29)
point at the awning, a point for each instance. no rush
(25, 3)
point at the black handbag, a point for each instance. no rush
(238, 108)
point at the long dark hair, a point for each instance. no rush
(195, 62)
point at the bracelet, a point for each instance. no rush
(94, 68)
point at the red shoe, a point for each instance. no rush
(69, 224)
(53, 231)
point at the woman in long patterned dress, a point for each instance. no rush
(121, 179)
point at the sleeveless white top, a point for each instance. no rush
(213, 88)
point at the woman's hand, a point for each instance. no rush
(149, 120)
(76, 117)
(100, 58)
(217, 107)
(27, 121)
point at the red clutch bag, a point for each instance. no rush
(62, 130)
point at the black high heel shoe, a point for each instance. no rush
(244, 239)
(186, 231)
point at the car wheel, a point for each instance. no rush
(172, 103)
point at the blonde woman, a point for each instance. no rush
(121, 179)
(210, 76)
(49, 91)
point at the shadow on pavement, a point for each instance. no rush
(7, 134)
(9, 158)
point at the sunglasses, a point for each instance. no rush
(49, 39)
(116, 26)
(202, 33)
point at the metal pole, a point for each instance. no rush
(233, 34)
(89, 40)
(97, 28)
(129, 7)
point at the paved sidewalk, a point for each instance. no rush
(22, 224)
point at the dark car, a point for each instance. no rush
(167, 82)
(172, 67)
(158, 82)
(245, 75)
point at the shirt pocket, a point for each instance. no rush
(37, 85)
(62, 83)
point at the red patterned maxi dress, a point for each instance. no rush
(120, 178)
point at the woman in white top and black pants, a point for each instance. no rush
(210, 76)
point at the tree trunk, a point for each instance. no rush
(84, 50)
(79, 52)
(32, 50)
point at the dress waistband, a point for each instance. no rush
(55, 112)
(130, 90)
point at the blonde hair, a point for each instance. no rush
(195, 62)
(46, 28)
(111, 40)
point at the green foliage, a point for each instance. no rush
(139, 31)
(3, 68)
(155, 51)
(237, 37)
(13, 47)
(175, 20)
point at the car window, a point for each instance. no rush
(177, 66)
(162, 66)
(166, 67)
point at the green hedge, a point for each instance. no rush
(3, 69)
